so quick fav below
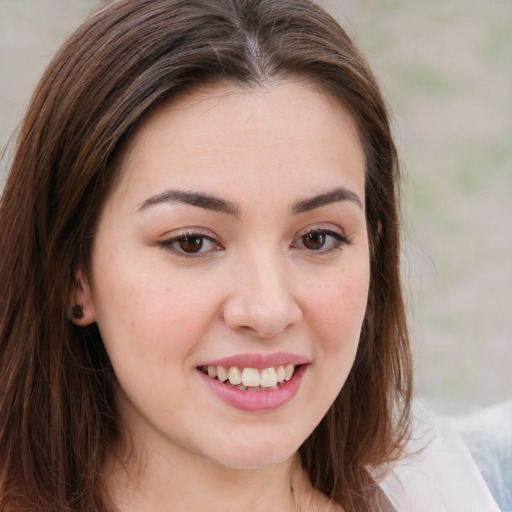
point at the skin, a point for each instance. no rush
(258, 285)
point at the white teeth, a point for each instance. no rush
(251, 377)
(222, 373)
(288, 371)
(234, 375)
(280, 373)
(268, 377)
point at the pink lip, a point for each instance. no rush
(259, 361)
(254, 401)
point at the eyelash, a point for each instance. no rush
(175, 246)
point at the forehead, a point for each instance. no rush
(225, 132)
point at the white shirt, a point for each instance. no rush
(437, 474)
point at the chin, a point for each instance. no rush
(256, 455)
(253, 462)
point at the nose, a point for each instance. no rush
(261, 302)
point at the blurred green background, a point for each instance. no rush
(446, 69)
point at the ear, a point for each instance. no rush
(81, 309)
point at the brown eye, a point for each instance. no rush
(321, 241)
(314, 241)
(191, 244)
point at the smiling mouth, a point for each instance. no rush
(251, 379)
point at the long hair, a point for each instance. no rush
(57, 400)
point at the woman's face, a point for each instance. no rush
(234, 245)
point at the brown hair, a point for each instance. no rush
(57, 412)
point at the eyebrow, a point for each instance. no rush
(216, 204)
(333, 196)
(198, 199)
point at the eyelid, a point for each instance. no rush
(188, 231)
(322, 228)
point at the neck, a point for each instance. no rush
(160, 481)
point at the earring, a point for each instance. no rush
(77, 312)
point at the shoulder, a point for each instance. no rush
(437, 472)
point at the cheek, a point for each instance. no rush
(337, 314)
(150, 327)
(338, 306)
(150, 314)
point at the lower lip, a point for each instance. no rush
(256, 401)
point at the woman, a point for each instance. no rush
(201, 301)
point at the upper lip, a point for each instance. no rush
(259, 361)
